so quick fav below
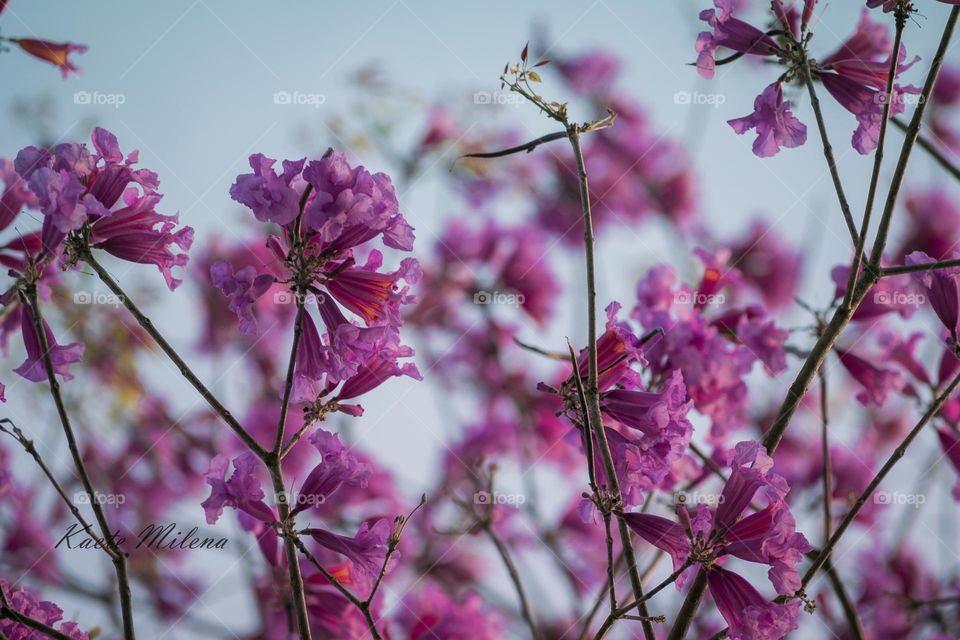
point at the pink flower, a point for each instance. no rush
(56, 53)
(138, 233)
(28, 604)
(339, 466)
(942, 287)
(731, 33)
(856, 76)
(775, 124)
(749, 615)
(877, 381)
(242, 491)
(61, 356)
(270, 196)
(242, 290)
(951, 447)
(366, 550)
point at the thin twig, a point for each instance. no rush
(931, 148)
(877, 479)
(185, 370)
(917, 268)
(504, 553)
(828, 151)
(911, 137)
(900, 20)
(117, 556)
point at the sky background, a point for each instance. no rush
(197, 83)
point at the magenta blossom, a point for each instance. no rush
(339, 466)
(242, 491)
(731, 33)
(366, 550)
(61, 356)
(28, 604)
(775, 124)
(942, 287)
(768, 536)
(951, 447)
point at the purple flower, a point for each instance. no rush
(942, 287)
(877, 381)
(137, 233)
(731, 33)
(775, 124)
(749, 615)
(28, 604)
(242, 290)
(61, 356)
(15, 195)
(338, 467)
(270, 196)
(951, 447)
(662, 533)
(432, 612)
(350, 206)
(366, 550)
(56, 53)
(856, 76)
(242, 491)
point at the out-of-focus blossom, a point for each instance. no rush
(56, 53)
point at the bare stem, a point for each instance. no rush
(916, 268)
(290, 548)
(931, 148)
(689, 607)
(185, 370)
(828, 151)
(911, 137)
(592, 391)
(900, 20)
(898, 453)
(117, 556)
(525, 610)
